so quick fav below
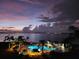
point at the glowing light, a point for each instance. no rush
(30, 53)
(40, 47)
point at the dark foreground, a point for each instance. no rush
(74, 54)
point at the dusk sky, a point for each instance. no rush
(21, 13)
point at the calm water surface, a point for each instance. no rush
(34, 37)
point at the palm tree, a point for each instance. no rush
(74, 33)
(42, 42)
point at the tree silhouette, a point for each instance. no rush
(73, 35)
(42, 42)
(7, 38)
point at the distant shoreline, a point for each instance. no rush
(26, 32)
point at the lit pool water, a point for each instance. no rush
(31, 47)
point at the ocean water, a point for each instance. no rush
(32, 37)
(35, 37)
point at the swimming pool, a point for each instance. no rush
(31, 47)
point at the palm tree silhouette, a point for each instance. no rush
(42, 42)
